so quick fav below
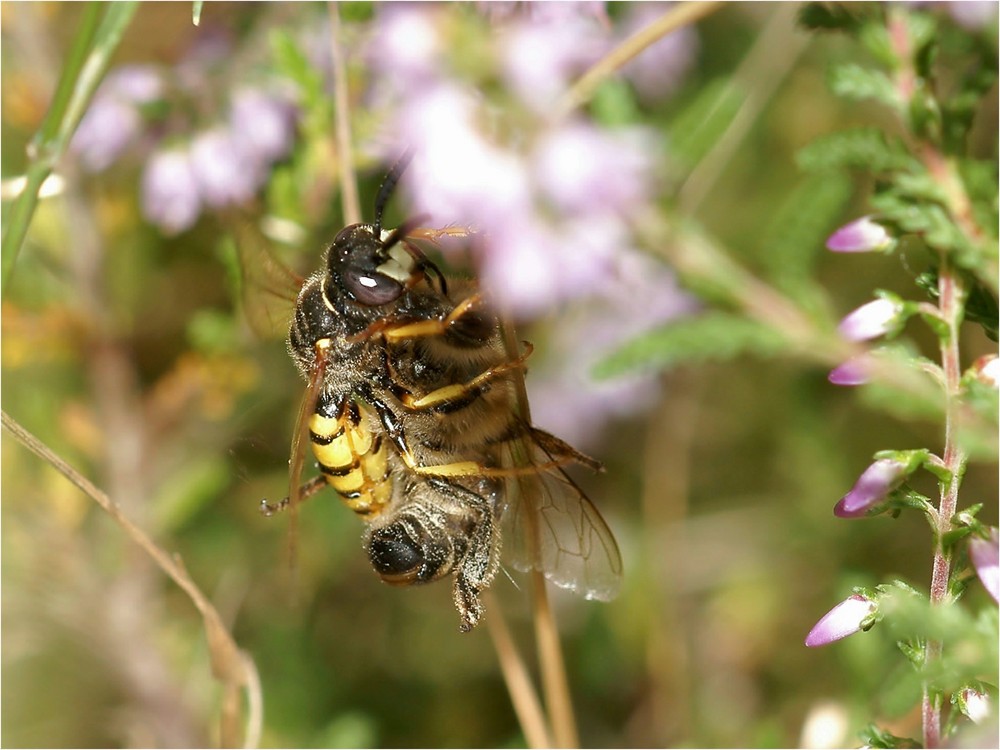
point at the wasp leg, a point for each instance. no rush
(467, 390)
(306, 491)
(394, 430)
(395, 329)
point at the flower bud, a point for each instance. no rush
(841, 621)
(872, 487)
(871, 320)
(985, 557)
(987, 369)
(861, 236)
(974, 704)
(852, 372)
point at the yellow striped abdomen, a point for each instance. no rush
(353, 460)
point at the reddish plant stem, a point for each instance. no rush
(951, 298)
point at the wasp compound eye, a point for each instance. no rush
(353, 263)
(370, 289)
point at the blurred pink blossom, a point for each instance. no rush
(170, 196)
(863, 235)
(871, 320)
(541, 55)
(658, 70)
(113, 121)
(581, 168)
(854, 371)
(224, 168)
(264, 121)
(985, 556)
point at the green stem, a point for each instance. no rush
(85, 66)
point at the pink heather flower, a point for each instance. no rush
(658, 70)
(972, 14)
(854, 371)
(170, 197)
(136, 84)
(540, 57)
(637, 295)
(861, 236)
(870, 321)
(872, 487)
(106, 130)
(456, 175)
(987, 369)
(985, 557)
(841, 621)
(531, 266)
(975, 705)
(113, 122)
(225, 169)
(405, 48)
(265, 123)
(581, 168)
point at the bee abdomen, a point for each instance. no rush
(353, 461)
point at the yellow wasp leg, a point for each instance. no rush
(476, 469)
(458, 390)
(432, 327)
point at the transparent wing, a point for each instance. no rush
(267, 287)
(550, 525)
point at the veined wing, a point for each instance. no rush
(550, 525)
(268, 288)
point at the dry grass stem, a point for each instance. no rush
(515, 674)
(231, 666)
(341, 96)
(679, 15)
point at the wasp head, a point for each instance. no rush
(361, 266)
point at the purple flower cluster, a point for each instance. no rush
(225, 163)
(222, 166)
(114, 122)
(549, 202)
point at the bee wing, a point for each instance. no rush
(268, 288)
(551, 525)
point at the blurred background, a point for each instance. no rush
(126, 348)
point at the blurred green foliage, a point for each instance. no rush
(126, 352)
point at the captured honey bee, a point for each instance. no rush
(412, 413)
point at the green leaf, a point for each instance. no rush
(830, 16)
(874, 37)
(856, 82)
(704, 120)
(714, 336)
(83, 71)
(860, 148)
(981, 308)
(875, 737)
(794, 238)
(613, 103)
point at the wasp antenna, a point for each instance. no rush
(388, 185)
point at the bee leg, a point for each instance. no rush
(478, 565)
